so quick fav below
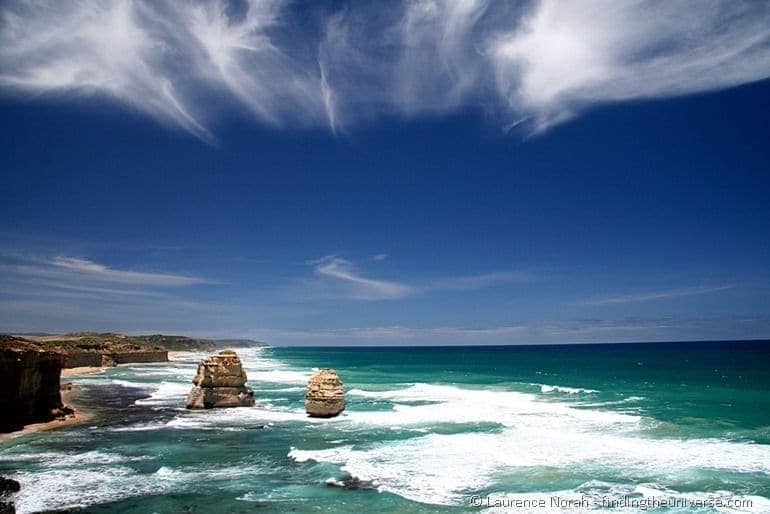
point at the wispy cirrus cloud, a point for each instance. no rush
(532, 64)
(355, 284)
(566, 57)
(72, 292)
(86, 280)
(657, 295)
(343, 279)
(87, 268)
(73, 269)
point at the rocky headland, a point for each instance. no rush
(325, 397)
(31, 367)
(29, 381)
(220, 382)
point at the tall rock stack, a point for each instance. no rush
(325, 397)
(220, 382)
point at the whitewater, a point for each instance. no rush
(473, 429)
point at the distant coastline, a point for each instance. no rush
(537, 345)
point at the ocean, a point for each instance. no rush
(659, 427)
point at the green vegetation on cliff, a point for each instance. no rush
(114, 342)
(177, 343)
(240, 343)
(87, 341)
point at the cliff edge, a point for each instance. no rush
(29, 381)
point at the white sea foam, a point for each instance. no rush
(279, 376)
(297, 389)
(242, 417)
(622, 401)
(139, 427)
(62, 459)
(451, 404)
(53, 488)
(82, 486)
(544, 388)
(440, 469)
(600, 499)
(128, 383)
(167, 393)
(184, 373)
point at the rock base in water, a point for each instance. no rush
(8, 487)
(325, 397)
(220, 382)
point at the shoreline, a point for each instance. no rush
(79, 416)
(83, 370)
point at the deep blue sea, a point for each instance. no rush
(664, 427)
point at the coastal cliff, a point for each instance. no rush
(29, 381)
(105, 357)
(92, 349)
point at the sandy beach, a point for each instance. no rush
(174, 354)
(71, 372)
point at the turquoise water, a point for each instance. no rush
(425, 430)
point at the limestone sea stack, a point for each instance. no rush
(325, 397)
(220, 382)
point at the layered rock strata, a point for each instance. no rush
(220, 382)
(325, 397)
(101, 358)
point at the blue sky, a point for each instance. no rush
(430, 173)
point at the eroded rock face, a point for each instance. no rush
(220, 382)
(325, 397)
(29, 384)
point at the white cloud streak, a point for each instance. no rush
(342, 279)
(657, 295)
(357, 286)
(90, 269)
(67, 292)
(88, 276)
(532, 64)
(78, 270)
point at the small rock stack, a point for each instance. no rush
(220, 382)
(325, 397)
